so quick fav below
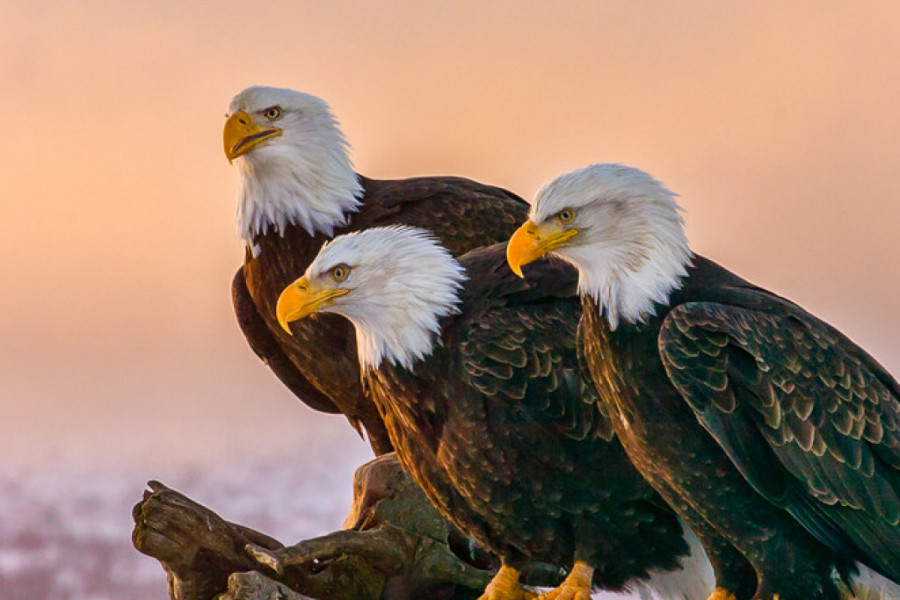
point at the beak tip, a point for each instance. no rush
(281, 316)
(285, 326)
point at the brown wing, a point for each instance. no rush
(267, 348)
(519, 351)
(809, 418)
(319, 362)
(462, 213)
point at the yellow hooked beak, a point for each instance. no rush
(300, 299)
(531, 241)
(242, 134)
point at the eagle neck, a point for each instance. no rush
(632, 293)
(279, 188)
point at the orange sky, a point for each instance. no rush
(778, 123)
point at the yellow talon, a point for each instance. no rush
(721, 594)
(505, 586)
(577, 586)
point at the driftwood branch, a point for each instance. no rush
(198, 549)
(256, 586)
(394, 546)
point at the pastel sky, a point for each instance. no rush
(776, 122)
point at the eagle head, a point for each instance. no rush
(620, 228)
(293, 161)
(392, 283)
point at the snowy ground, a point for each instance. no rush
(74, 461)
(222, 430)
(66, 536)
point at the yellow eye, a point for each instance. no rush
(340, 272)
(273, 113)
(566, 215)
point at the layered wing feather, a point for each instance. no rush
(463, 214)
(319, 363)
(810, 419)
(521, 350)
(267, 348)
(507, 437)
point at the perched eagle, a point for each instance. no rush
(775, 437)
(475, 373)
(297, 190)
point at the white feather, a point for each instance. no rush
(401, 282)
(869, 585)
(631, 251)
(694, 581)
(303, 177)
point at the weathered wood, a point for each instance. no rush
(197, 548)
(256, 586)
(394, 546)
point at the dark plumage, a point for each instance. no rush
(773, 435)
(495, 421)
(299, 189)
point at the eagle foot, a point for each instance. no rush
(721, 594)
(505, 586)
(577, 586)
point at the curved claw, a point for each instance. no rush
(505, 586)
(577, 586)
(721, 594)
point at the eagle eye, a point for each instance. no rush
(340, 272)
(273, 113)
(566, 215)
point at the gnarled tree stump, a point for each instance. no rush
(394, 546)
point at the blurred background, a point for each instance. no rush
(777, 123)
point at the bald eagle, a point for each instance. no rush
(297, 190)
(774, 436)
(476, 375)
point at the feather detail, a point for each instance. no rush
(402, 283)
(303, 176)
(631, 251)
